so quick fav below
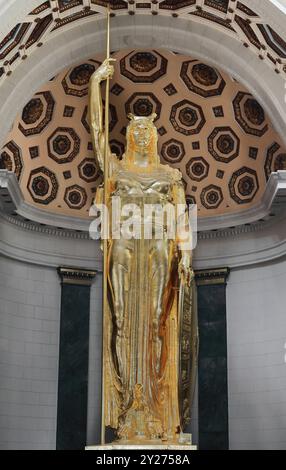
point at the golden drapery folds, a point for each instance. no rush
(150, 325)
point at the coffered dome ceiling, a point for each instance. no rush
(209, 125)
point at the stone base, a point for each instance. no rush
(184, 442)
(187, 448)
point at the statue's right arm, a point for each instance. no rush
(95, 120)
(96, 109)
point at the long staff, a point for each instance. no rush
(105, 231)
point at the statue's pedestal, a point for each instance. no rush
(185, 447)
(183, 443)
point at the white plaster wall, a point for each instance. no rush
(256, 323)
(95, 354)
(29, 342)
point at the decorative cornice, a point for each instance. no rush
(10, 189)
(274, 196)
(65, 233)
(76, 276)
(44, 229)
(258, 242)
(212, 276)
(232, 224)
(47, 246)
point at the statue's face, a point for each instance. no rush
(141, 134)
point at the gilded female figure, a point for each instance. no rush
(142, 350)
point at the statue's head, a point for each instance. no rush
(142, 137)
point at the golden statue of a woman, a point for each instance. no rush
(142, 350)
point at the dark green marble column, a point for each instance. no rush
(212, 364)
(73, 358)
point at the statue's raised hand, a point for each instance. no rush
(104, 71)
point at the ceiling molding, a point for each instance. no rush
(223, 16)
(274, 200)
(47, 246)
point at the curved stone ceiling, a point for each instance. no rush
(233, 17)
(209, 125)
(81, 34)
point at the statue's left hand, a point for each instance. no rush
(186, 272)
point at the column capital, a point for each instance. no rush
(212, 276)
(76, 276)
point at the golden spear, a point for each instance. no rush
(106, 221)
